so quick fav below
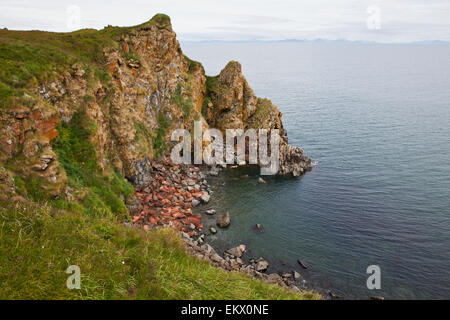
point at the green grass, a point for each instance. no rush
(104, 190)
(131, 55)
(264, 108)
(39, 242)
(211, 87)
(159, 142)
(211, 84)
(184, 104)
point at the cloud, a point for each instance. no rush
(401, 20)
(259, 20)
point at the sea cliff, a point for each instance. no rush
(86, 119)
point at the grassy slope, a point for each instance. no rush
(28, 58)
(38, 241)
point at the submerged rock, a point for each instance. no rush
(304, 265)
(334, 295)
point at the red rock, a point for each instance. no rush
(176, 224)
(187, 205)
(197, 195)
(166, 214)
(194, 220)
(178, 215)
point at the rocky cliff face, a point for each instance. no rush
(114, 109)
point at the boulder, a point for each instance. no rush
(216, 258)
(205, 198)
(195, 202)
(223, 220)
(274, 278)
(261, 180)
(213, 230)
(259, 227)
(237, 251)
(208, 249)
(261, 265)
(210, 212)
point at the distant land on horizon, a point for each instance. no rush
(287, 40)
(319, 41)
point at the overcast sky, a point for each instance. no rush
(372, 20)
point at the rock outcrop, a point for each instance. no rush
(233, 105)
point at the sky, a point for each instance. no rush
(394, 21)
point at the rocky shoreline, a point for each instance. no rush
(168, 198)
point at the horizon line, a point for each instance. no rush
(433, 41)
(322, 40)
